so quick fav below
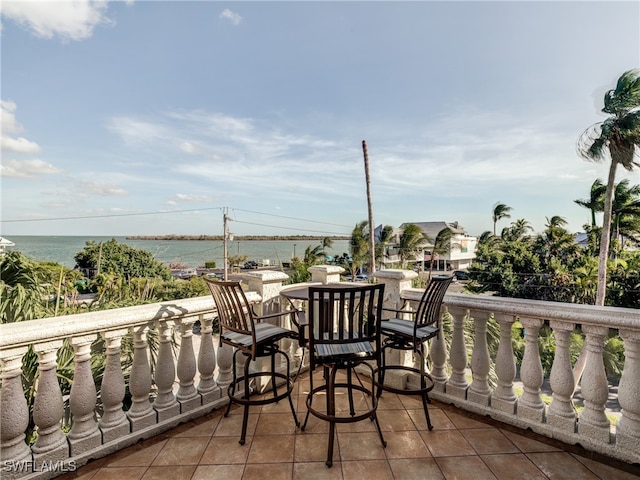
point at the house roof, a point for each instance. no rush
(431, 229)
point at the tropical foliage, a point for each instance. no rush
(615, 139)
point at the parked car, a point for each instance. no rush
(362, 278)
(460, 275)
(250, 265)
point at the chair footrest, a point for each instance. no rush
(241, 400)
(342, 419)
(407, 391)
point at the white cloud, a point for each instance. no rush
(26, 168)
(103, 189)
(10, 125)
(69, 19)
(186, 197)
(232, 17)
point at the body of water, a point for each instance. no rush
(191, 253)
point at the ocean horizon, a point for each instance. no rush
(190, 253)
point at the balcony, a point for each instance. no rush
(175, 420)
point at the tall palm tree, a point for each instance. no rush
(595, 203)
(618, 136)
(500, 211)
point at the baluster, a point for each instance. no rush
(141, 413)
(504, 398)
(561, 413)
(530, 405)
(114, 422)
(458, 383)
(14, 411)
(84, 434)
(165, 404)
(187, 396)
(48, 407)
(595, 388)
(628, 429)
(479, 391)
(207, 362)
(225, 366)
(438, 354)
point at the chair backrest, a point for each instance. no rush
(428, 312)
(343, 314)
(234, 311)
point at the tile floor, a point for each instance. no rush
(461, 446)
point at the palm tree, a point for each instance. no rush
(441, 246)
(412, 240)
(358, 247)
(385, 240)
(618, 136)
(500, 211)
(595, 203)
(625, 210)
(516, 231)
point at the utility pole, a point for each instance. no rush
(225, 236)
(372, 238)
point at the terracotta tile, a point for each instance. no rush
(415, 468)
(271, 449)
(512, 467)
(389, 401)
(365, 425)
(119, 473)
(464, 468)
(279, 407)
(226, 472)
(181, 451)
(225, 450)
(446, 443)
(275, 471)
(405, 445)
(461, 421)
(231, 426)
(395, 420)
(275, 424)
(311, 447)
(528, 445)
(488, 440)
(608, 472)
(203, 429)
(369, 469)
(358, 446)
(182, 472)
(411, 402)
(561, 465)
(140, 456)
(317, 471)
(439, 419)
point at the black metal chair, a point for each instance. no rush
(344, 333)
(252, 336)
(413, 334)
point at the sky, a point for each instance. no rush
(156, 117)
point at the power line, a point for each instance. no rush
(289, 228)
(80, 217)
(293, 218)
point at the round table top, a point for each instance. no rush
(301, 292)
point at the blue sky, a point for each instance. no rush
(150, 117)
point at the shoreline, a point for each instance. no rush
(289, 238)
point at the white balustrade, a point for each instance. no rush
(154, 407)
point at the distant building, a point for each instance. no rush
(460, 256)
(4, 242)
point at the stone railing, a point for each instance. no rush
(461, 376)
(183, 384)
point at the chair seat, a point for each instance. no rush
(327, 350)
(404, 328)
(265, 333)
